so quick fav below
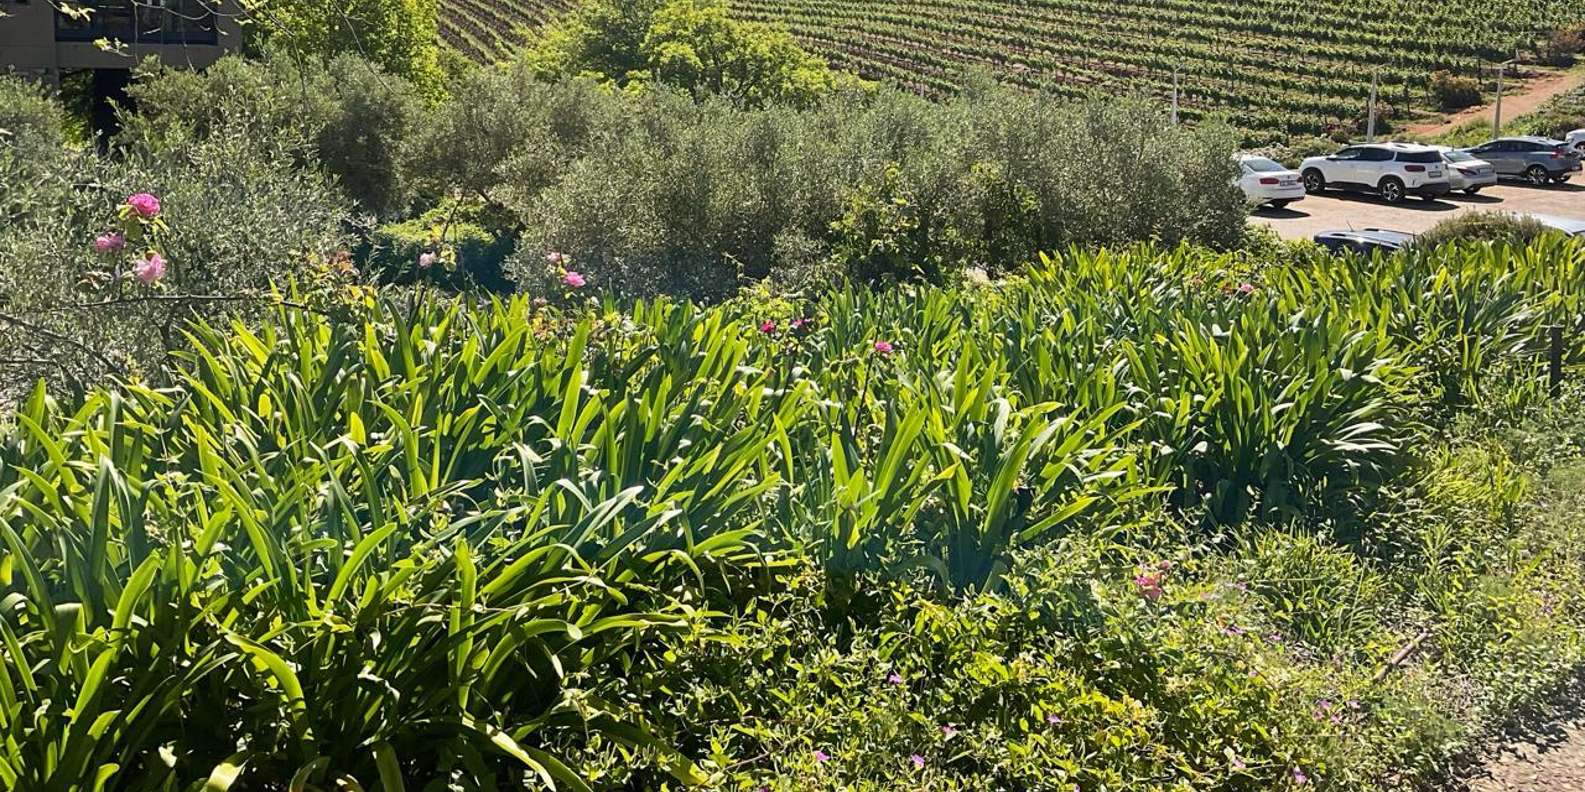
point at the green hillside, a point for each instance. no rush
(1273, 65)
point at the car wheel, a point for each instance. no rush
(1314, 182)
(1280, 204)
(1391, 190)
(1471, 190)
(1537, 175)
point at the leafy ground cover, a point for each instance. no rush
(1134, 519)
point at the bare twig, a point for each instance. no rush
(72, 342)
(1402, 655)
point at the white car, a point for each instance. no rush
(1394, 170)
(1576, 140)
(1267, 182)
(1465, 171)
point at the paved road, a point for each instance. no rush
(1339, 210)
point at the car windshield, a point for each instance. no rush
(1263, 165)
(1419, 156)
(1457, 156)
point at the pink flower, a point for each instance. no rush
(1053, 719)
(822, 757)
(883, 347)
(1238, 764)
(111, 242)
(919, 761)
(574, 279)
(767, 327)
(948, 731)
(801, 323)
(1149, 584)
(146, 205)
(426, 260)
(894, 678)
(555, 259)
(150, 270)
(1246, 289)
(1299, 777)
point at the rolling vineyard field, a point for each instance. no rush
(1279, 66)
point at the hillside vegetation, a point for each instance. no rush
(1275, 68)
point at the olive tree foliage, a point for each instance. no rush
(693, 45)
(240, 217)
(667, 192)
(345, 115)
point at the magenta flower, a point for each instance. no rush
(150, 270)
(767, 327)
(111, 242)
(822, 757)
(894, 678)
(883, 347)
(146, 205)
(919, 761)
(555, 259)
(799, 323)
(1149, 584)
(574, 279)
(426, 260)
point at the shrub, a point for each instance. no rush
(693, 45)
(29, 117)
(239, 218)
(670, 194)
(345, 115)
(1562, 47)
(466, 255)
(1453, 92)
(1503, 227)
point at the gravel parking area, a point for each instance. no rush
(1334, 210)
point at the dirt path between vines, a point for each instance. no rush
(1536, 93)
(1537, 757)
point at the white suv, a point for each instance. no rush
(1395, 170)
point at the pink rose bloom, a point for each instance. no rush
(1150, 586)
(150, 270)
(555, 259)
(112, 242)
(426, 260)
(574, 279)
(883, 347)
(146, 205)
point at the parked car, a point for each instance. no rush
(1467, 172)
(1538, 160)
(1569, 226)
(1267, 182)
(1367, 241)
(1576, 140)
(1394, 170)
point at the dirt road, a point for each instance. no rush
(1541, 752)
(1338, 210)
(1534, 94)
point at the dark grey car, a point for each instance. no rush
(1537, 159)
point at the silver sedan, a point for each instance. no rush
(1467, 172)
